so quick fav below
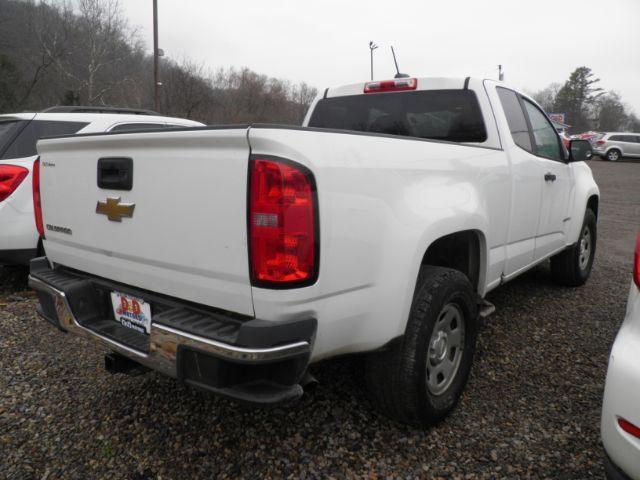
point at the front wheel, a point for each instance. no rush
(420, 377)
(573, 266)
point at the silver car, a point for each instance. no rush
(614, 145)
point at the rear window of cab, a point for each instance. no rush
(449, 115)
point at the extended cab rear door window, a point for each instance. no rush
(515, 118)
(24, 145)
(450, 115)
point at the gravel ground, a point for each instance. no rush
(531, 410)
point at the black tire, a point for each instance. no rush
(572, 267)
(613, 155)
(397, 376)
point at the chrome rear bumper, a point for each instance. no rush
(265, 366)
(164, 341)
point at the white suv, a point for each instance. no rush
(19, 134)
(613, 146)
(620, 409)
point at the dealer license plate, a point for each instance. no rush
(131, 312)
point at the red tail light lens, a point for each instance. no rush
(600, 142)
(11, 176)
(37, 206)
(283, 224)
(636, 263)
(396, 85)
(629, 427)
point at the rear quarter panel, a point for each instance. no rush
(382, 202)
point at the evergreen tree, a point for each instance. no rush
(578, 97)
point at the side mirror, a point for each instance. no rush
(580, 151)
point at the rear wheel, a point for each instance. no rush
(613, 155)
(420, 377)
(573, 266)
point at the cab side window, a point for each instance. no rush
(546, 140)
(515, 118)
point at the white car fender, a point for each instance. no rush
(585, 188)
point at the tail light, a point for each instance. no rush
(37, 206)
(11, 176)
(629, 427)
(283, 224)
(600, 142)
(397, 85)
(636, 263)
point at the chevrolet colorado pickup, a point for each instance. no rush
(232, 257)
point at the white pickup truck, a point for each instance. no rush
(232, 257)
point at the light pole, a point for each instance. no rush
(156, 58)
(372, 47)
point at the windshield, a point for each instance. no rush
(8, 130)
(452, 115)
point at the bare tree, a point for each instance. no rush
(186, 90)
(52, 53)
(547, 97)
(99, 43)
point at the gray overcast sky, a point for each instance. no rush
(325, 42)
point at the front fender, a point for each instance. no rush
(585, 188)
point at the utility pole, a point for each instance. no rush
(372, 47)
(156, 58)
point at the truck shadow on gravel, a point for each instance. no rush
(13, 279)
(527, 408)
(531, 407)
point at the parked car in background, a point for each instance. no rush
(613, 146)
(566, 140)
(377, 227)
(585, 136)
(19, 133)
(621, 406)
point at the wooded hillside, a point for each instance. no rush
(51, 54)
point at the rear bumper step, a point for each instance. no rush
(246, 359)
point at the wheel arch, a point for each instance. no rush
(593, 203)
(462, 250)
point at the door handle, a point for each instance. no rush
(549, 177)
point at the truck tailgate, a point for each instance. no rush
(187, 236)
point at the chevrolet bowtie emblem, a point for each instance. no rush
(114, 210)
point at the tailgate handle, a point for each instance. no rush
(115, 173)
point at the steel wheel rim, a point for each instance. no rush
(585, 248)
(613, 155)
(445, 349)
